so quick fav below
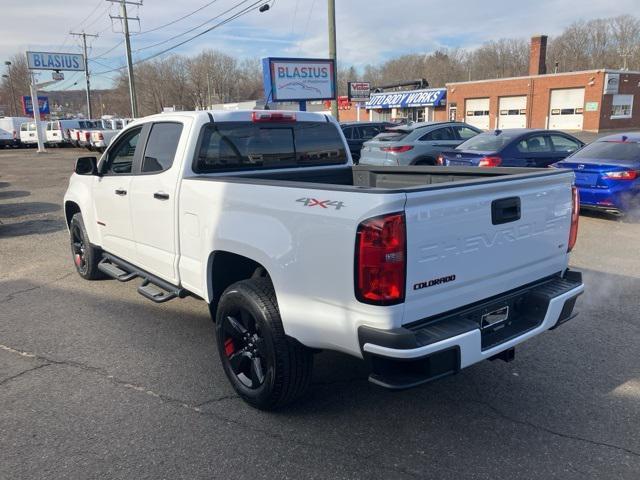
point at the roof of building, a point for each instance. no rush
(560, 74)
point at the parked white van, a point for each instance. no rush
(28, 133)
(10, 131)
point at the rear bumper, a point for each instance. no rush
(436, 347)
(607, 199)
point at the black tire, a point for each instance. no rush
(267, 368)
(85, 256)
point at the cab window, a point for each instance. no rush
(161, 147)
(120, 157)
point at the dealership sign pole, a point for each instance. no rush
(48, 61)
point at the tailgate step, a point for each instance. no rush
(155, 293)
(114, 271)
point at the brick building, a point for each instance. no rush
(591, 100)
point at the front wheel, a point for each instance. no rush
(267, 368)
(85, 256)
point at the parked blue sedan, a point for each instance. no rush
(608, 173)
(518, 147)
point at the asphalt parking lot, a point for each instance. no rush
(97, 382)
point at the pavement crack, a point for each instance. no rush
(17, 293)
(196, 408)
(215, 400)
(542, 428)
(18, 375)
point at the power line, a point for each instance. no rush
(192, 29)
(90, 15)
(176, 20)
(246, 10)
(306, 26)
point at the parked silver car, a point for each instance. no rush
(415, 144)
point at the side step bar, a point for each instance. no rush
(152, 287)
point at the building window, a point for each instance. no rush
(622, 106)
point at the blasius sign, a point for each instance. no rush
(298, 79)
(432, 97)
(55, 61)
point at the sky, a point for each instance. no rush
(368, 32)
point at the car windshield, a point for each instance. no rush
(486, 142)
(608, 150)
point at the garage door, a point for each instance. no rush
(477, 112)
(565, 109)
(512, 112)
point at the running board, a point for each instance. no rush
(152, 287)
(113, 271)
(155, 293)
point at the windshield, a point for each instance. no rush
(619, 151)
(486, 142)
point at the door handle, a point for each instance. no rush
(121, 192)
(161, 196)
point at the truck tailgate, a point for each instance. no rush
(468, 243)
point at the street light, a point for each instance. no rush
(13, 95)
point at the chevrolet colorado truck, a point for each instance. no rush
(420, 271)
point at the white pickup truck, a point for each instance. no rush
(421, 271)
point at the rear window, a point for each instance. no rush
(621, 151)
(486, 142)
(229, 146)
(392, 135)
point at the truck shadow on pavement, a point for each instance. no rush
(566, 399)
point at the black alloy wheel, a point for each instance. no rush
(245, 349)
(78, 249)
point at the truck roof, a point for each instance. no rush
(239, 115)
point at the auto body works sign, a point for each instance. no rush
(55, 61)
(298, 79)
(432, 97)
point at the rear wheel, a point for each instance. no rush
(85, 256)
(267, 368)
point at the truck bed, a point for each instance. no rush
(367, 178)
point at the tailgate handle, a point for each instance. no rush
(505, 210)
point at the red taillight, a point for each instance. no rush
(273, 116)
(440, 160)
(100, 136)
(381, 260)
(400, 149)
(622, 175)
(87, 136)
(490, 162)
(575, 216)
(15, 134)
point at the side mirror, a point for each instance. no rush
(86, 166)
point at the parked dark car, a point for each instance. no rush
(415, 144)
(357, 133)
(608, 173)
(516, 147)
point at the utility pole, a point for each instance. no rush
(14, 109)
(332, 54)
(127, 42)
(86, 67)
